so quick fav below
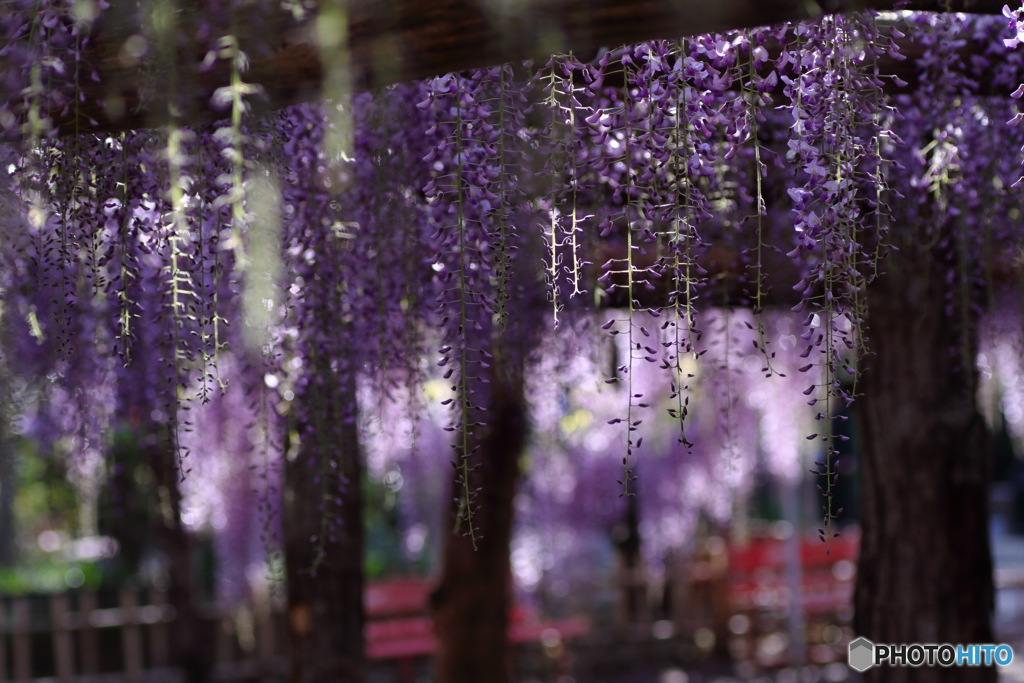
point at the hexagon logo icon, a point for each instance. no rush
(862, 655)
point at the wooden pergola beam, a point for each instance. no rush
(390, 41)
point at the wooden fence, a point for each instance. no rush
(88, 638)
(79, 637)
(85, 637)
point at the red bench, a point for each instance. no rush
(399, 626)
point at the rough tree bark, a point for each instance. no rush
(925, 570)
(325, 579)
(472, 601)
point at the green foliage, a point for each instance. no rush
(45, 498)
(384, 555)
(48, 575)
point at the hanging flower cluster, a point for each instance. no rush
(658, 181)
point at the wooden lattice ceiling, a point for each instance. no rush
(396, 40)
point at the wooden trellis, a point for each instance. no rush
(391, 41)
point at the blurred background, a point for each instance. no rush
(713, 571)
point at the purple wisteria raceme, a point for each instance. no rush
(657, 183)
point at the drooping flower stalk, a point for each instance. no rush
(687, 132)
(180, 286)
(753, 93)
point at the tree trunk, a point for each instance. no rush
(632, 608)
(925, 573)
(323, 531)
(472, 601)
(139, 514)
(191, 639)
